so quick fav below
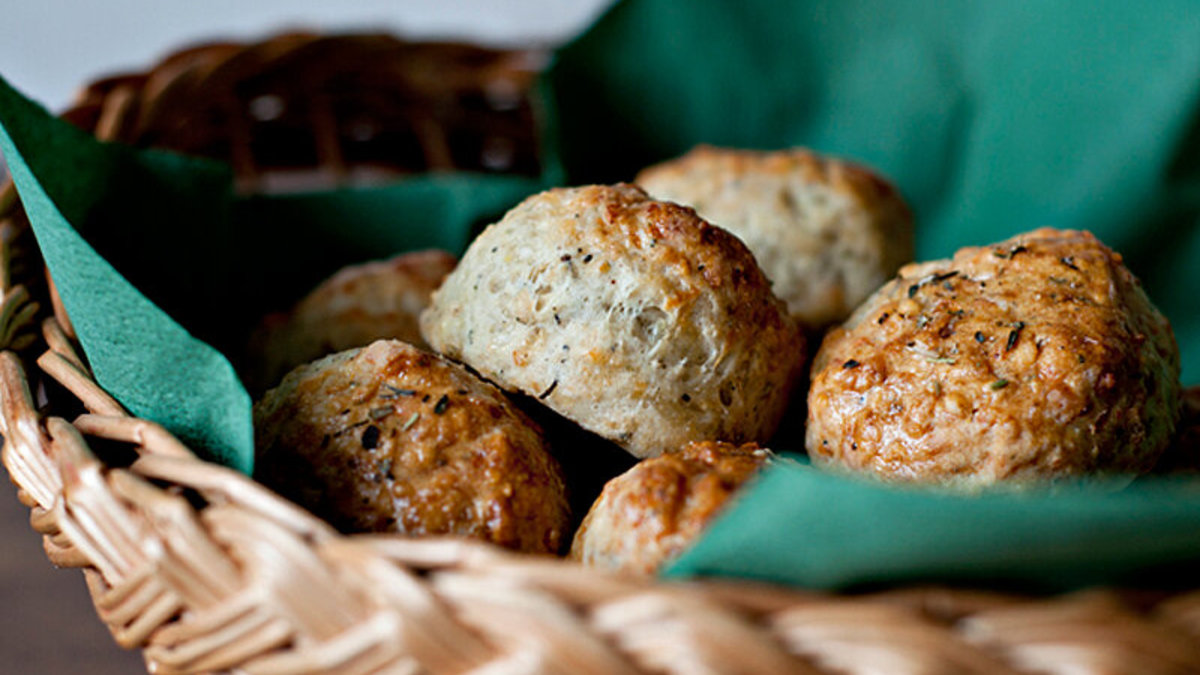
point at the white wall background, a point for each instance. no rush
(49, 47)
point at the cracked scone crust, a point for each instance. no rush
(1036, 358)
(633, 318)
(356, 306)
(393, 439)
(827, 233)
(649, 515)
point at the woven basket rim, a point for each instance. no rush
(205, 570)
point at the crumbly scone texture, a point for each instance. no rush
(826, 232)
(1036, 358)
(354, 307)
(649, 515)
(390, 438)
(631, 317)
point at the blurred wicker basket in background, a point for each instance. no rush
(305, 111)
(206, 570)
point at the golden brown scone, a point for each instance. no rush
(631, 317)
(1034, 358)
(393, 439)
(827, 233)
(1183, 455)
(357, 305)
(650, 514)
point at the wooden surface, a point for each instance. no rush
(47, 623)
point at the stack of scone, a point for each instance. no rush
(671, 321)
(827, 233)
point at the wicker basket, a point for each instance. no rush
(205, 570)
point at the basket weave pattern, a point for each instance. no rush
(206, 570)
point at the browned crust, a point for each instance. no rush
(826, 231)
(394, 439)
(1037, 357)
(653, 512)
(547, 302)
(674, 237)
(355, 306)
(866, 187)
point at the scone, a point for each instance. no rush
(827, 233)
(390, 438)
(649, 515)
(633, 318)
(1035, 358)
(357, 305)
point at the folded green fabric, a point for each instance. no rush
(164, 271)
(801, 526)
(289, 243)
(156, 207)
(992, 117)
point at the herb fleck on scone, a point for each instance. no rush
(393, 439)
(826, 232)
(634, 318)
(1036, 358)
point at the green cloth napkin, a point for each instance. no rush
(164, 271)
(71, 186)
(993, 118)
(290, 243)
(801, 526)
